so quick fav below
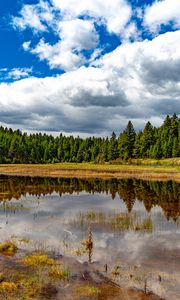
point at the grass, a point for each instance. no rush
(38, 259)
(87, 290)
(9, 287)
(167, 169)
(60, 273)
(31, 285)
(38, 276)
(8, 248)
(117, 221)
(31, 276)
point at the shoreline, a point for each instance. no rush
(43, 275)
(85, 170)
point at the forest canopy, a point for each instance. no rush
(151, 142)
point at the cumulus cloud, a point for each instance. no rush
(138, 81)
(57, 103)
(37, 17)
(161, 13)
(73, 23)
(147, 67)
(130, 32)
(98, 92)
(76, 35)
(114, 14)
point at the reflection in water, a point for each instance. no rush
(163, 194)
(41, 210)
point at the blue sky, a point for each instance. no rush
(86, 68)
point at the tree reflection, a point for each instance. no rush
(150, 193)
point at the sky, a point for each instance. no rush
(88, 67)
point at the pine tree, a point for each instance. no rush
(147, 139)
(113, 147)
(126, 141)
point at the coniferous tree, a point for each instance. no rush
(126, 141)
(147, 139)
(162, 142)
(113, 147)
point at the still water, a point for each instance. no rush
(135, 225)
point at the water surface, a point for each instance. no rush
(54, 213)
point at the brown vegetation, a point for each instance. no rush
(39, 276)
(8, 248)
(88, 170)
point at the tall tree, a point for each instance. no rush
(147, 139)
(126, 141)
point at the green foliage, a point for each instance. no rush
(127, 141)
(151, 142)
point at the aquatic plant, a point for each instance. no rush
(89, 244)
(117, 221)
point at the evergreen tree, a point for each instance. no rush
(126, 141)
(113, 147)
(147, 139)
(162, 142)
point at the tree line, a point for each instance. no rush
(151, 142)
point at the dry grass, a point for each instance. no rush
(60, 273)
(38, 259)
(8, 248)
(30, 277)
(144, 170)
(9, 287)
(46, 281)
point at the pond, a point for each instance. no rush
(135, 225)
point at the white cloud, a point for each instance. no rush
(37, 17)
(147, 67)
(18, 73)
(114, 14)
(26, 45)
(161, 13)
(15, 73)
(138, 81)
(76, 35)
(130, 32)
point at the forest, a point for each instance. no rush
(151, 142)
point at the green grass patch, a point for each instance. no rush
(87, 290)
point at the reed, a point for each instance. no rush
(116, 221)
